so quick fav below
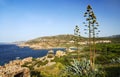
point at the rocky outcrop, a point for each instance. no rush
(14, 69)
(60, 53)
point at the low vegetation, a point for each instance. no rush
(107, 64)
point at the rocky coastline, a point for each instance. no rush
(37, 46)
(16, 67)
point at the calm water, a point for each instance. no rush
(11, 51)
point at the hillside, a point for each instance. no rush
(113, 38)
(61, 41)
(50, 41)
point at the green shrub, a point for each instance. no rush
(35, 74)
(50, 56)
(42, 63)
(112, 71)
(101, 60)
(64, 60)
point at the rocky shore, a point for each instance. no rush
(14, 68)
(37, 46)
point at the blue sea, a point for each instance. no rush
(10, 52)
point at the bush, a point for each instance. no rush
(101, 60)
(50, 56)
(42, 63)
(52, 71)
(35, 74)
(64, 60)
(105, 59)
(112, 71)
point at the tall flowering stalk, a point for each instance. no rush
(91, 24)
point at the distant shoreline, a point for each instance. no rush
(38, 47)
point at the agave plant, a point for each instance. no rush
(81, 69)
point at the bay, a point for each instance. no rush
(10, 52)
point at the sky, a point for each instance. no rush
(22, 20)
